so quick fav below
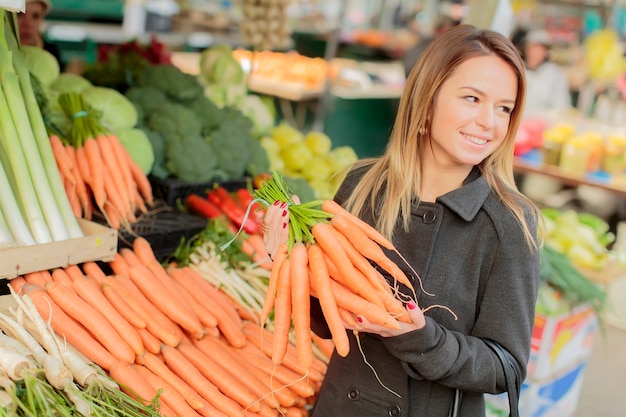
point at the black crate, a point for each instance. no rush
(171, 190)
(164, 230)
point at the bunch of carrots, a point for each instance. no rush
(165, 334)
(97, 171)
(330, 254)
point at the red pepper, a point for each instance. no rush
(200, 205)
(225, 202)
(245, 198)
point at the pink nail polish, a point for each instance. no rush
(411, 305)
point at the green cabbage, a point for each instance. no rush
(41, 63)
(67, 82)
(139, 147)
(118, 112)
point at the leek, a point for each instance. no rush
(37, 201)
(6, 238)
(11, 213)
(42, 140)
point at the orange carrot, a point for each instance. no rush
(74, 272)
(270, 295)
(189, 373)
(87, 315)
(94, 271)
(332, 207)
(83, 165)
(150, 342)
(210, 411)
(160, 295)
(284, 376)
(300, 303)
(18, 283)
(121, 156)
(89, 290)
(38, 278)
(157, 322)
(228, 320)
(80, 189)
(206, 316)
(360, 306)
(124, 304)
(369, 248)
(130, 257)
(282, 313)
(115, 174)
(168, 395)
(351, 277)
(132, 382)
(156, 365)
(68, 329)
(96, 171)
(223, 380)
(119, 265)
(113, 216)
(320, 282)
(60, 276)
(70, 191)
(143, 250)
(64, 163)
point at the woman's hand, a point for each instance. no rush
(417, 322)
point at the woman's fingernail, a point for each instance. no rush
(360, 319)
(277, 202)
(411, 305)
(284, 213)
(284, 225)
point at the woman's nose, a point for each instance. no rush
(485, 117)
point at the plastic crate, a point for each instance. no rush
(164, 231)
(170, 190)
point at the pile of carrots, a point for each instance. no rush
(331, 255)
(98, 173)
(165, 333)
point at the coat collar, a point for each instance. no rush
(467, 200)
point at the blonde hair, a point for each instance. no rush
(393, 180)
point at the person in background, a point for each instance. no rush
(444, 194)
(547, 83)
(30, 26)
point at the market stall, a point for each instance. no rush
(171, 240)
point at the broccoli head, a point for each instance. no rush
(191, 159)
(173, 120)
(176, 84)
(147, 98)
(158, 147)
(208, 113)
(259, 160)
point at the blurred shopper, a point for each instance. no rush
(30, 26)
(548, 86)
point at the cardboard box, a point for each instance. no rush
(555, 396)
(98, 244)
(559, 341)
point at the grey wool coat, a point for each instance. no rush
(471, 255)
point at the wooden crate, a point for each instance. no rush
(98, 244)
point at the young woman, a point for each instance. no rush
(444, 193)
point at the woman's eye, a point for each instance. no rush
(505, 109)
(471, 99)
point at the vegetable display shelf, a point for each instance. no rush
(99, 243)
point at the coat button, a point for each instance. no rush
(394, 411)
(353, 394)
(429, 217)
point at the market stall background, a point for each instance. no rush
(340, 70)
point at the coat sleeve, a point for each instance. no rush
(506, 316)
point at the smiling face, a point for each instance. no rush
(471, 114)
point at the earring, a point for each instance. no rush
(423, 131)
